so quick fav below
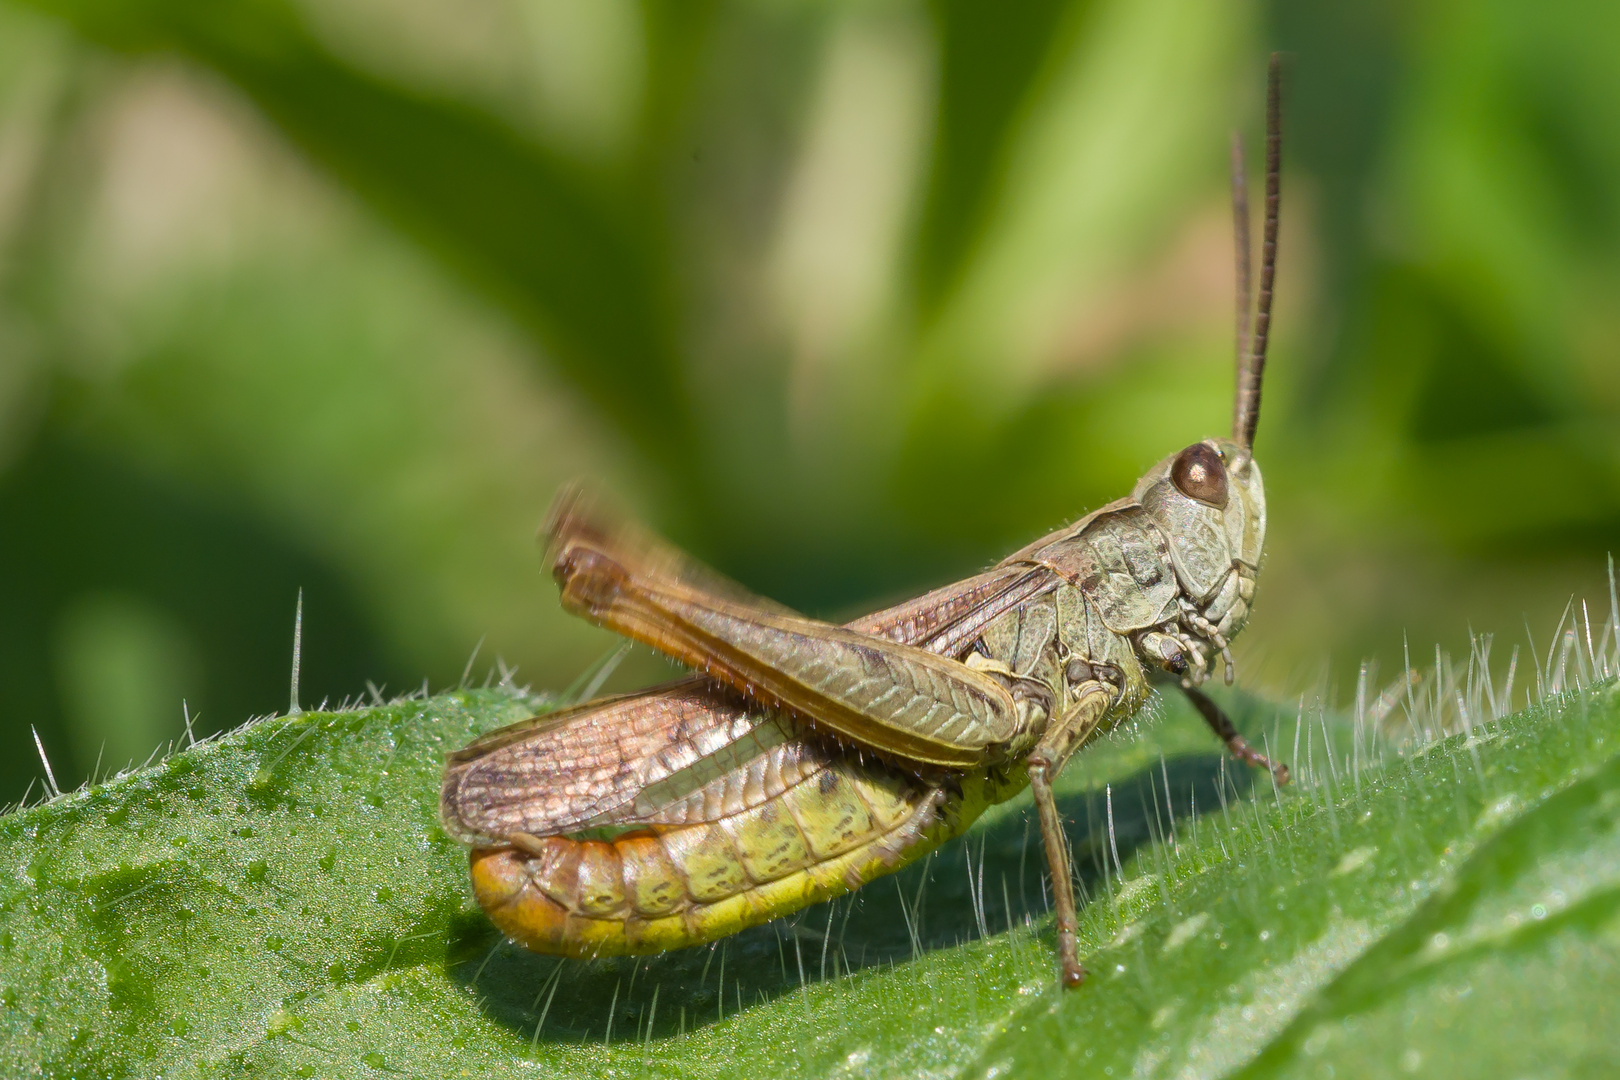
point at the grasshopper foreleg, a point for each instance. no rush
(1227, 732)
(1066, 734)
(1213, 634)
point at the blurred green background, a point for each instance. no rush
(850, 299)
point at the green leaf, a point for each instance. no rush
(281, 901)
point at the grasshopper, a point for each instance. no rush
(804, 759)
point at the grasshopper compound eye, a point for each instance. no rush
(1198, 473)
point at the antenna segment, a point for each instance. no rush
(1246, 414)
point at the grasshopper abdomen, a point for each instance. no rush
(669, 886)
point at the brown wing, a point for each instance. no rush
(679, 754)
(686, 752)
(897, 699)
(617, 760)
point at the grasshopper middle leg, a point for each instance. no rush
(1067, 734)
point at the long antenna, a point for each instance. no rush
(1243, 253)
(1246, 416)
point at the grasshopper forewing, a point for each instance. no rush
(805, 759)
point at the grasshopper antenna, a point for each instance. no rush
(1246, 415)
(1241, 249)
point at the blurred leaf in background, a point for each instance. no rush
(850, 299)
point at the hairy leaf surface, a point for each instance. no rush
(281, 901)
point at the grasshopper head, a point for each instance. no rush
(1210, 504)
(1208, 501)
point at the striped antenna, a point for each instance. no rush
(1246, 415)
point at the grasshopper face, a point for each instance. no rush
(1210, 505)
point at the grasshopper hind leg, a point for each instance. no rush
(1227, 732)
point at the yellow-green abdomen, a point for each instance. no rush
(671, 886)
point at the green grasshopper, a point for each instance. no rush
(806, 759)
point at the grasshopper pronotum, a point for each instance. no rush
(807, 759)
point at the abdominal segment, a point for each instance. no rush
(669, 886)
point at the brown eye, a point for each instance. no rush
(1199, 474)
